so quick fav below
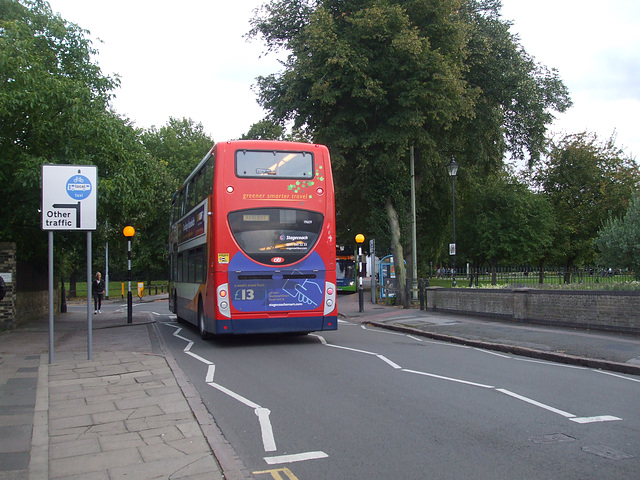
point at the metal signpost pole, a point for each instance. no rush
(89, 295)
(50, 235)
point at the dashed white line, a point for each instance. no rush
(482, 350)
(450, 379)
(600, 418)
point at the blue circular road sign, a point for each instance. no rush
(79, 187)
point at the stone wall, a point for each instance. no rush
(8, 272)
(598, 310)
(22, 303)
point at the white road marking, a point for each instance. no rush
(299, 457)
(210, 373)
(199, 358)
(542, 362)
(386, 360)
(572, 417)
(482, 350)
(268, 440)
(340, 347)
(537, 404)
(450, 379)
(618, 376)
(601, 418)
(235, 396)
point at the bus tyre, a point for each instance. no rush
(201, 326)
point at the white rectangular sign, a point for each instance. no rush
(69, 197)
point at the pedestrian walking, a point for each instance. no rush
(97, 287)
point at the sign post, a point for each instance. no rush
(69, 203)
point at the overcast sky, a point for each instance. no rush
(189, 59)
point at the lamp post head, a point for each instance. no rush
(129, 231)
(452, 167)
(359, 238)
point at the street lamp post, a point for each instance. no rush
(452, 168)
(129, 232)
(359, 241)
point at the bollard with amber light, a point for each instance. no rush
(360, 241)
(129, 232)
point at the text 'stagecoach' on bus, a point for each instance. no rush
(252, 240)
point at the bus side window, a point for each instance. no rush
(190, 193)
(199, 181)
(180, 204)
(180, 270)
(208, 178)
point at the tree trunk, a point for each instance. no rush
(72, 284)
(396, 250)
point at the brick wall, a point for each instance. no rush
(20, 304)
(599, 310)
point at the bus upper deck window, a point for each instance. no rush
(274, 164)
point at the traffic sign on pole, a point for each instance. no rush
(69, 197)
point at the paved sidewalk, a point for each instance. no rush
(612, 351)
(128, 413)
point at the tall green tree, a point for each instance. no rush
(55, 108)
(586, 181)
(502, 221)
(371, 78)
(177, 147)
(618, 240)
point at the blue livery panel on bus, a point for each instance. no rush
(258, 288)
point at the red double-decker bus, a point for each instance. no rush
(252, 240)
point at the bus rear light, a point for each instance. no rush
(223, 304)
(320, 191)
(329, 298)
(230, 189)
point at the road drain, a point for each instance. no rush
(552, 438)
(607, 452)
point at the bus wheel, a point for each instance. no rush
(201, 326)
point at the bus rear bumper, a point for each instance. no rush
(274, 325)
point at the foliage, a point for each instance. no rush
(518, 96)
(619, 239)
(586, 181)
(503, 221)
(177, 148)
(54, 108)
(371, 78)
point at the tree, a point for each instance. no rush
(503, 221)
(619, 239)
(177, 147)
(55, 108)
(371, 78)
(586, 181)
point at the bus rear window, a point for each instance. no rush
(283, 234)
(274, 164)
